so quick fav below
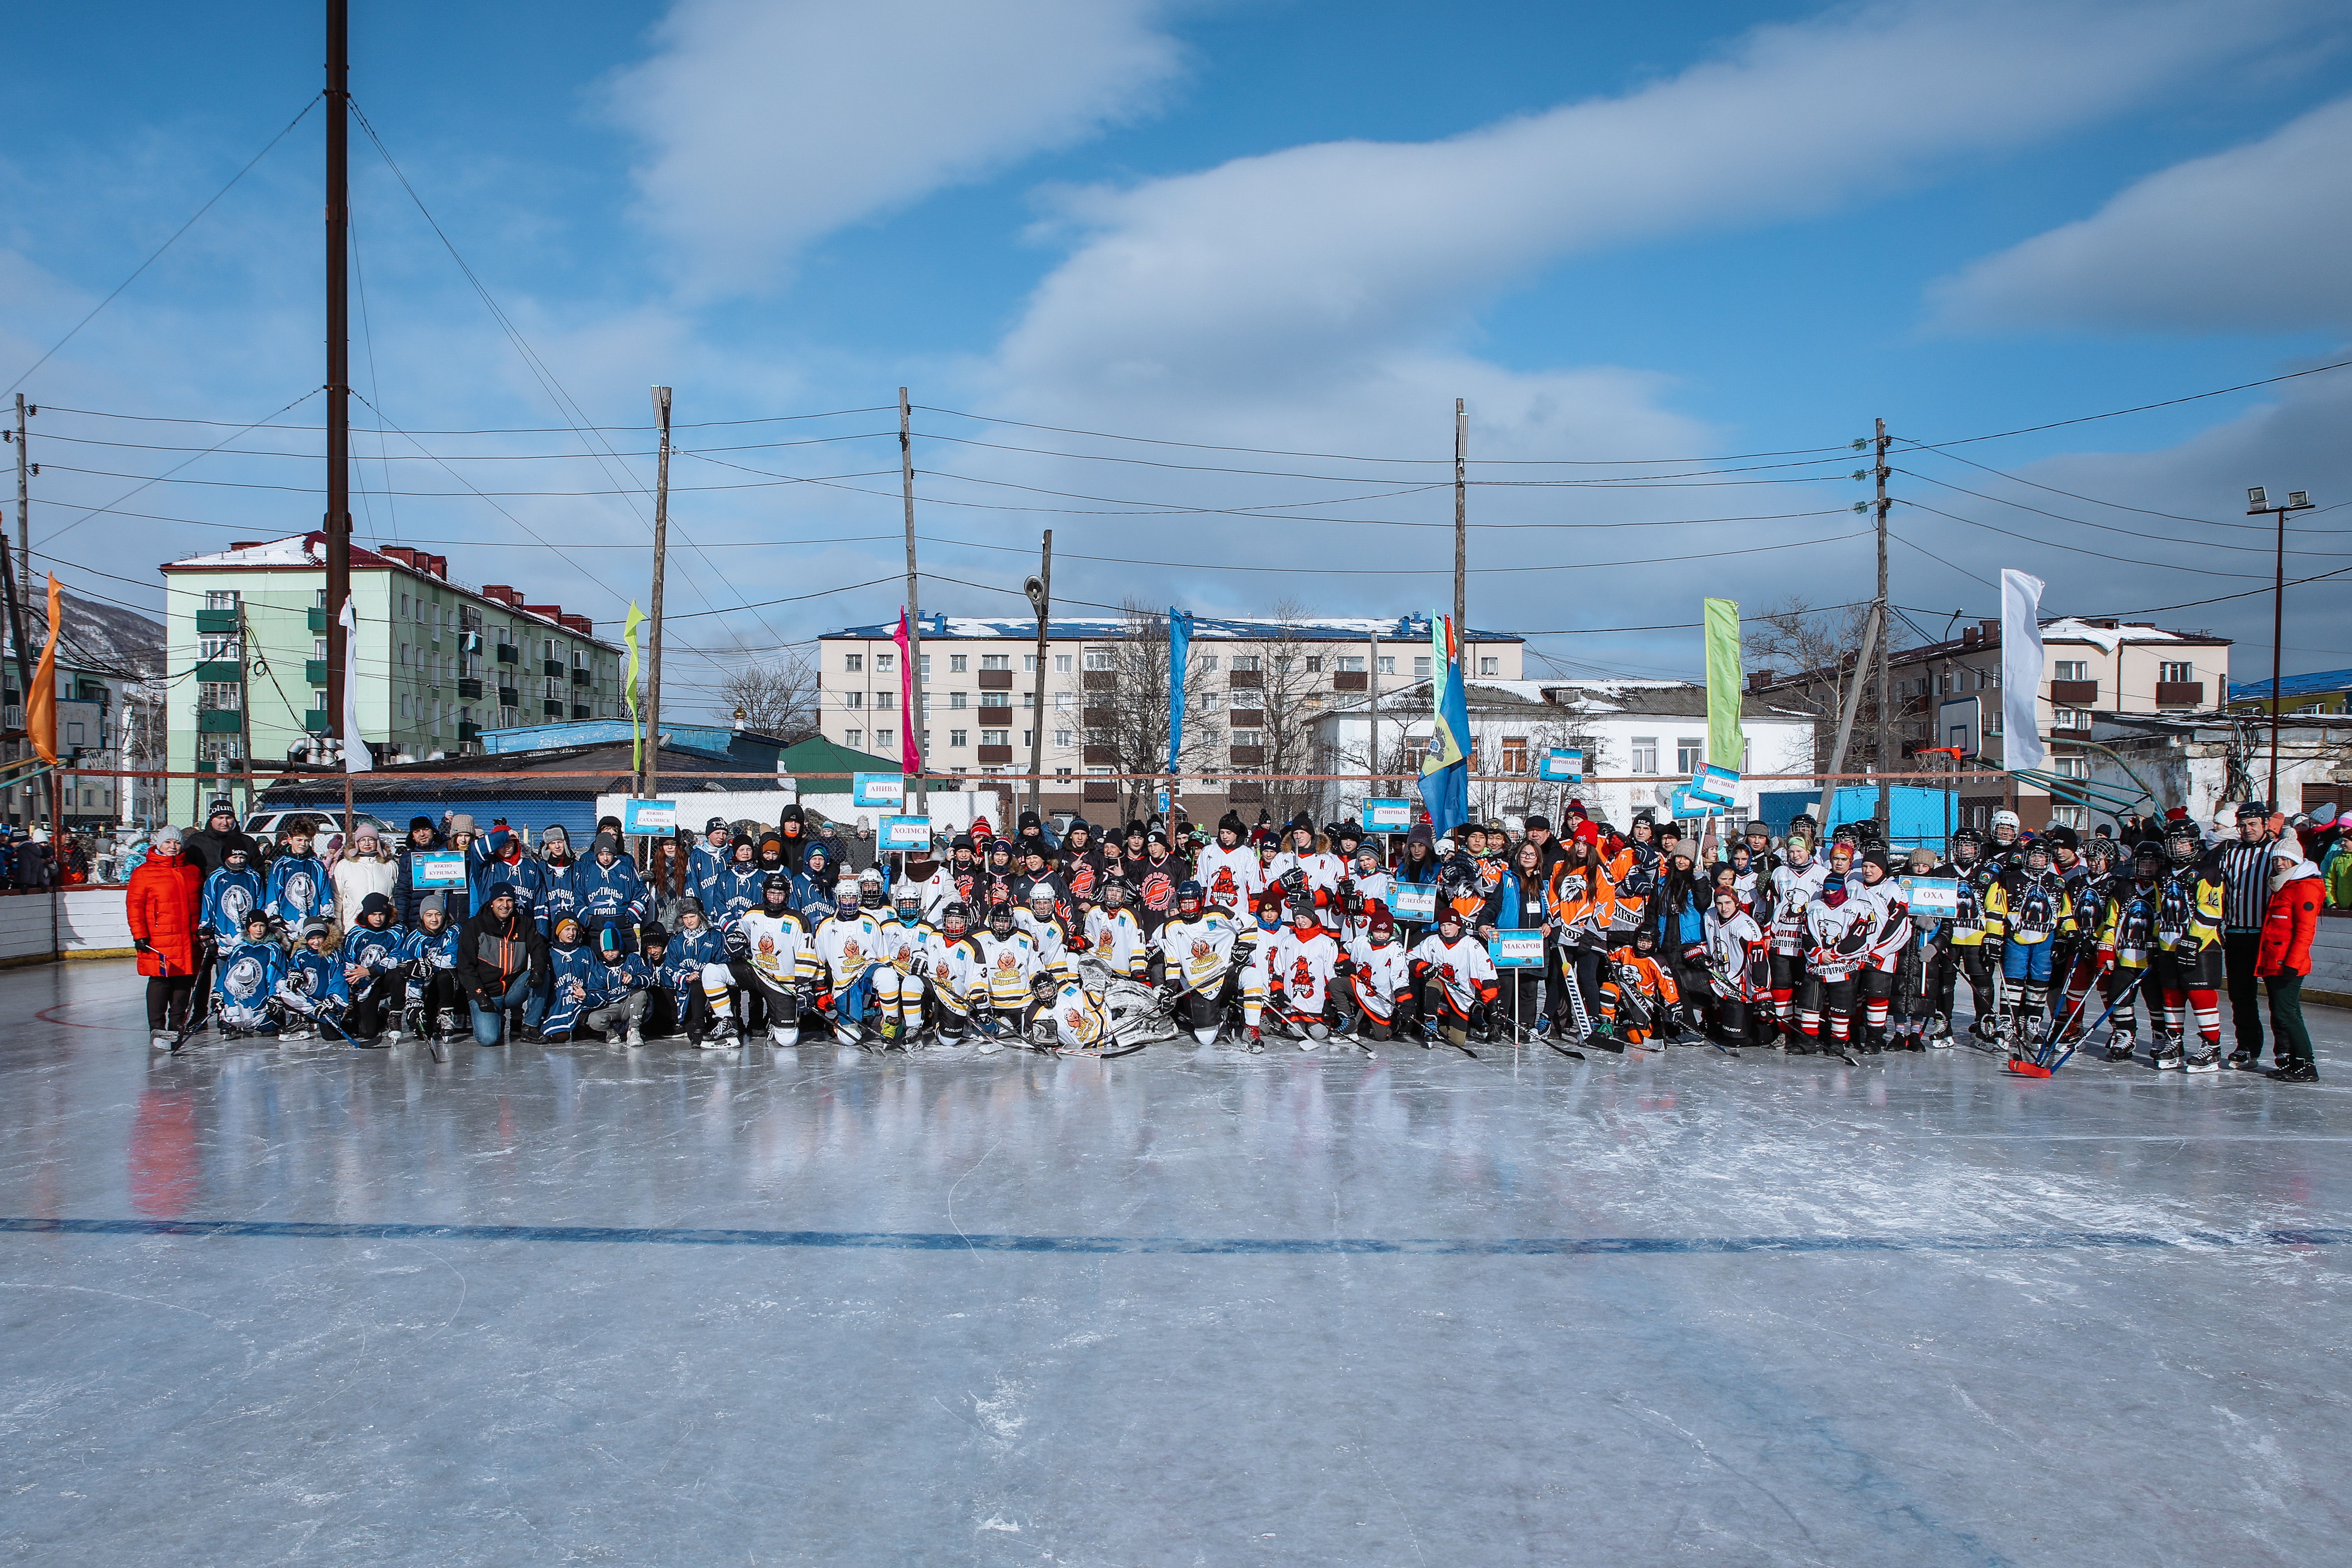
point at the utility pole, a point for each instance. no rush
(338, 355)
(20, 581)
(1372, 683)
(1040, 589)
(1461, 535)
(2257, 501)
(661, 551)
(1886, 663)
(914, 601)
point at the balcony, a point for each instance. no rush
(510, 698)
(509, 654)
(468, 731)
(1247, 679)
(1098, 718)
(996, 681)
(553, 708)
(1099, 679)
(219, 721)
(583, 677)
(471, 691)
(315, 720)
(1102, 792)
(551, 667)
(314, 671)
(1246, 719)
(1242, 793)
(217, 623)
(318, 620)
(1101, 756)
(1247, 757)
(220, 671)
(1352, 680)
(994, 757)
(2168, 693)
(580, 710)
(2075, 693)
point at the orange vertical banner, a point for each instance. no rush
(41, 702)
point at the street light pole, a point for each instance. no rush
(2257, 501)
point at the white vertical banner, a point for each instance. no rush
(2021, 663)
(357, 758)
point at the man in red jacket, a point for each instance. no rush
(160, 905)
(2285, 958)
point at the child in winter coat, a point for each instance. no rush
(312, 993)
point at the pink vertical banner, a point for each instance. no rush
(910, 744)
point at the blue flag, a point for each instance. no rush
(1445, 770)
(1180, 650)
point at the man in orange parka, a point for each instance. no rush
(161, 905)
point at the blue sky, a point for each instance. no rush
(1620, 233)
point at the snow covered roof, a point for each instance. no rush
(1323, 629)
(2106, 637)
(294, 550)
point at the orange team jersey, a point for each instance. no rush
(1582, 908)
(1652, 976)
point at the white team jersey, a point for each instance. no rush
(1304, 966)
(1730, 944)
(1380, 974)
(1323, 873)
(1377, 887)
(845, 944)
(1893, 916)
(903, 946)
(938, 890)
(1197, 950)
(1081, 1022)
(1116, 940)
(1232, 878)
(1838, 940)
(779, 950)
(949, 960)
(1458, 968)
(1052, 937)
(1793, 892)
(1005, 967)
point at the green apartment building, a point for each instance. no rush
(434, 664)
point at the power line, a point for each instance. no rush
(2139, 408)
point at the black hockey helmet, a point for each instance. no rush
(776, 883)
(2038, 849)
(2182, 842)
(2148, 859)
(1190, 898)
(1646, 938)
(1000, 919)
(956, 918)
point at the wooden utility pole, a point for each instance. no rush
(1041, 599)
(1460, 537)
(1372, 685)
(1886, 664)
(19, 583)
(914, 601)
(661, 552)
(338, 355)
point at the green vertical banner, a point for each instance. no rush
(629, 688)
(1725, 747)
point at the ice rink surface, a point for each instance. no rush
(571, 1304)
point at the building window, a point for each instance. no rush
(1101, 658)
(956, 663)
(1387, 663)
(884, 663)
(1992, 720)
(923, 666)
(2066, 817)
(2071, 669)
(209, 649)
(220, 598)
(959, 737)
(885, 739)
(1646, 753)
(996, 661)
(219, 694)
(1028, 663)
(888, 701)
(1246, 661)
(1315, 666)
(1490, 667)
(403, 704)
(2180, 674)
(1066, 699)
(1515, 753)
(1690, 753)
(1347, 666)
(1028, 737)
(853, 700)
(1249, 737)
(318, 701)
(958, 700)
(855, 663)
(996, 699)
(996, 737)
(852, 739)
(2070, 767)
(1061, 740)
(1421, 666)
(1061, 664)
(2070, 718)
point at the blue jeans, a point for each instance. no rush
(2027, 961)
(488, 1021)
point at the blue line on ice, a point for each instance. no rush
(1243, 1246)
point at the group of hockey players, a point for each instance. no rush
(1298, 934)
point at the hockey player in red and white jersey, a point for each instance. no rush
(1787, 895)
(1838, 931)
(1320, 867)
(1738, 966)
(1229, 873)
(1207, 954)
(1882, 890)
(1379, 981)
(1456, 976)
(1114, 937)
(1303, 962)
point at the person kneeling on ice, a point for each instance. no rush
(771, 962)
(846, 945)
(502, 966)
(902, 973)
(572, 965)
(311, 994)
(618, 986)
(246, 979)
(1378, 981)
(1637, 993)
(372, 970)
(1004, 979)
(1207, 961)
(691, 949)
(1738, 966)
(430, 996)
(1303, 963)
(1455, 978)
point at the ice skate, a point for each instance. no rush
(2206, 1060)
(2166, 1053)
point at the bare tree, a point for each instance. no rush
(1126, 715)
(778, 698)
(1292, 692)
(1815, 656)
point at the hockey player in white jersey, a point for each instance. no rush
(848, 944)
(1884, 891)
(1038, 918)
(769, 956)
(1839, 930)
(948, 963)
(1790, 892)
(1114, 937)
(1378, 976)
(1455, 976)
(1300, 853)
(1228, 870)
(903, 968)
(1303, 963)
(1206, 954)
(1001, 980)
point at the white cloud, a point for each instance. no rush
(2252, 239)
(771, 124)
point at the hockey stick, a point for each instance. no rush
(197, 1020)
(2043, 1066)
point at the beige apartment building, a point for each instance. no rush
(1253, 691)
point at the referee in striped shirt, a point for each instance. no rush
(2245, 871)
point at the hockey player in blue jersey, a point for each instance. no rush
(693, 947)
(246, 978)
(297, 892)
(572, 965)
(372, 970)
(431, 1002)
(233, 891)
(610, 889)
(311, 994)
(618, 987)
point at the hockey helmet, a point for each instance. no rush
(1190, 898)
(1000, 919)
(1041, 891)
(1969, 840)
(909, 900)
(773, 883)
(1112, 891)
(2148, 860)
(956, 918)
(869, 887)
(1645, 939)
(2008, 819)
(2182, 842)
(2037, 854)
(845, 897)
